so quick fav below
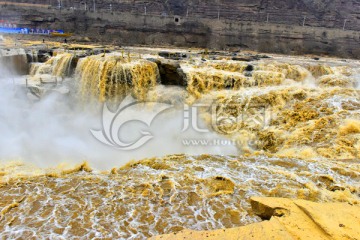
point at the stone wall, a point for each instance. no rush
(139, 29)
(319, 13)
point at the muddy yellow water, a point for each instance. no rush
(295, 123)
(112, 77)
(57, 66)
(163, 195)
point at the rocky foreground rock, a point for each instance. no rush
(289, 219)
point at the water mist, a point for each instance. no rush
(56, 130)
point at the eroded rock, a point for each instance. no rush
(172, 55)
(289, 219)
(170, 72)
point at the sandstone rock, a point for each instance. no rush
(44, 55)
(38, 92)
(241, 25)
(249, 68)
(14, 61)
(244, 59)
(171, 72)
(324, 13)
(249, 58)
(174, 56)
(35, 92)
(289, 219)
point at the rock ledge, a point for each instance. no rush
(289, 219)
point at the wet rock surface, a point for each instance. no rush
(172, 55)
(171, 72)
(289, 219)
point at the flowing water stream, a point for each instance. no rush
(279, 127)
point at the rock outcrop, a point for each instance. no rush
(170, 72)
(319, 13)
(14, 61)
(289, 219)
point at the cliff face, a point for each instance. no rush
(319, 13)
(176, 23)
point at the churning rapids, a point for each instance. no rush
(289, 127)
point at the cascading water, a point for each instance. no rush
(113, 77)
(295, 123)
(58, 66)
